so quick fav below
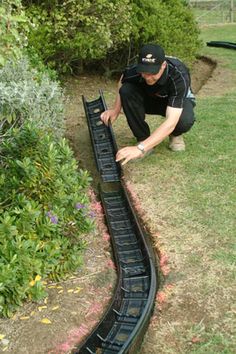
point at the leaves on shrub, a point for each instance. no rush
(41, 229)
(27, 95)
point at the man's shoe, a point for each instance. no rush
(176, 143)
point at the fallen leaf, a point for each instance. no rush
(45, 321)
(24, 318)
(51, 286)
(76, 291)
(70, 290)
(61, 291)
(55, 308)
(40, 308)
(2, 336)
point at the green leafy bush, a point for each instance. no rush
(73, 32)
(169, 23)
(108, 34)
(29, 95)
(44, 213)
(14, 29)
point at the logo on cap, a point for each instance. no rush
(149, 59)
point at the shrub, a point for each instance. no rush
(44, 213)
(108, 34)
(169, 23)
(72, 31)
(14, 28)
(28, 95)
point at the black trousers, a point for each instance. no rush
(136, 103)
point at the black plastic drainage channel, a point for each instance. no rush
(222, 44)
(123, 326)
(103, 140)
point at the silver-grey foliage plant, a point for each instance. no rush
(29, 96)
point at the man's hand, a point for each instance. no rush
(109, 115)
(128, 153)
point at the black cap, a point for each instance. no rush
(150, 59)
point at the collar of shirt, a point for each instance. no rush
(164, 76)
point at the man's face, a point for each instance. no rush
(151, 79)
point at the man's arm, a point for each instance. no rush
(165, 129)
(112, 114)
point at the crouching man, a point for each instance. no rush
(160, 85)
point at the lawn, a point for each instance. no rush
(190, 202)
(220, 33)
(214, 13)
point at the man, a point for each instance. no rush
(158, 84)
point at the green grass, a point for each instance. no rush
(214, 14)
(211, 161)
(211, 17)
(191, 199)
(220, 33)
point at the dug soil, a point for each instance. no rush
(75, 305)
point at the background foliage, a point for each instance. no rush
(14, 28)
(69, 33)
(169, 23)
(106, 34)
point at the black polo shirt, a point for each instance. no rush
(173, 85)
